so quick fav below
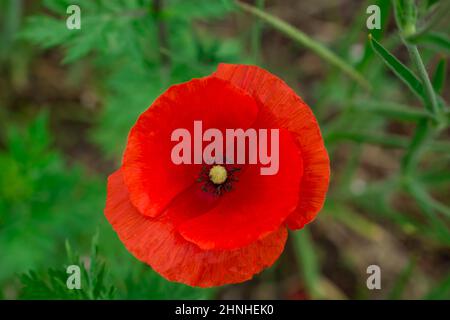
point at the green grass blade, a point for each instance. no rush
(402, 280)
(431, 22)
(436, 176)
(422, 195)
(411, 158)
(441, 291)
(392, 110)
(423, 200)
(399, 13)
(306, 255)
(405, 15)
(385, 140)
(388, 141)
(256, 34)
(436, 40)
(303, 39)
(430, 98)
(439, 75)
(400, 70)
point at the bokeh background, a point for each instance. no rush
(69, 97)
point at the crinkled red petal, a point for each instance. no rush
(152, 178)
(279, 102)
(256, 206)
(155, 242)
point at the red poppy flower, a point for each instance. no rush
(208, 225)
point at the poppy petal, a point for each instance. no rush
(155, 242)
(151, 176)
(256, 206)
(278, 101)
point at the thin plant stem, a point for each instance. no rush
(431, 104)
(256, 34)
(303, 39)
(440, 12)
(411, 157)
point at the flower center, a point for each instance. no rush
(218, 178)
(218, 174)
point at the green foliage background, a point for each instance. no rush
(378, 99)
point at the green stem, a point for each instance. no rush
(387, 140)
(422, 199)
(390, 141)
(392, 110)
(439, 14)
(307, 42)
(423, 130)
(421, 195)
(411, 157)
(256, 34)
(307, 260)
(431, 104)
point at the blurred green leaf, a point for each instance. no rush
(308, 261)
(405, 15)
(439, 75)
(421, 195)
(392, 110)
(435, 176)
(441, 291)
(436, 40)
(385, 13)
(192, 9)
(355, 222)
(376, 200)
(10, 16)
(401, 282)
(46, 31)
(35, 188)
(144, 283)
(51, 284)
(400, 70)
(388, 141)
(416, 146)
(430, 97)
(440, 11)
(428, 205)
